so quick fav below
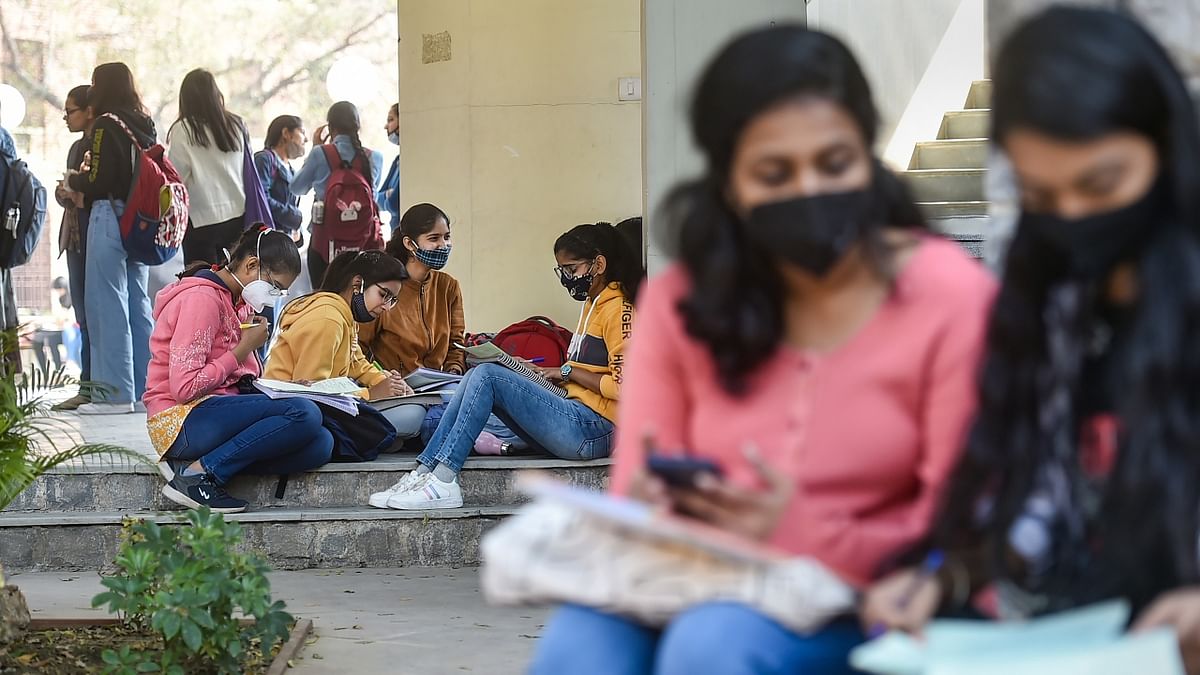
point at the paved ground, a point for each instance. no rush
(417, 621)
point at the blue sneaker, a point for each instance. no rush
(199, 490)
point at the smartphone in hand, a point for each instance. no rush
(681, 472)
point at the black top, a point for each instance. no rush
(111, 175)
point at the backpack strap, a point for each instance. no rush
(332, 156)
(124, 128)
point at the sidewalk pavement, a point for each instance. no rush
(409, 621)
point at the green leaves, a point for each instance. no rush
(186, 583)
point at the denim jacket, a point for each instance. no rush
(276, 177)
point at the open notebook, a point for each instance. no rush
(490, 353)
(1090, 640)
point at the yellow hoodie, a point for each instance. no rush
(601, 349)
(317, 340)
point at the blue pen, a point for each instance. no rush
(929, 567)
(537, 360)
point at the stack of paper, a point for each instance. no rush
(336, 393)
(425, 379)
(1088, 640)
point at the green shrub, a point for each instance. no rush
(185, 583)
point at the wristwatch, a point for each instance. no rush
(565, 372)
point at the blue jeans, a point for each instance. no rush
(565, 428)
(433, 417)
(76, 274)
(115, 298)
(724, 638)
(253, 434)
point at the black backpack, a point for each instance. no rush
(22, 213)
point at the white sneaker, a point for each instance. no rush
(139, 407)
(380, 499)
(105, 409)
(428, 493)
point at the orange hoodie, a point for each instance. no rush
(421, 330)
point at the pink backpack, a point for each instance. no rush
(351, 221)
(156, 208)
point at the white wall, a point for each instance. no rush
(519, 136)
(919, 57)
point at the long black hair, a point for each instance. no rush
(278, 126)
(417, 220)
(113, 89)
(276, 252)
(735, 306)
(373, 266)
(343, 120)
(202, 113)
(623, 265)
(1060, 75)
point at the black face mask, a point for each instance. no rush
(814, 233)
(1090, 247)
(579, 286)
(358, 308)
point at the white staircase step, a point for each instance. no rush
(980, 96)
(964, 124)
(965, 153)
(946, 185)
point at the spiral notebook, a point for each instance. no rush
(490, 353)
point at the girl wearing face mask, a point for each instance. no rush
(318, 334)
(812, 339)
(285, 142)
(1080, 479)
(598, 268)
(388, 196)
(204, 432)
(428, 321)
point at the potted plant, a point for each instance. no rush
(31, 444)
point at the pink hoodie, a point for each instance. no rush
(196, 328)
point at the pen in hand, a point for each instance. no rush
(929, 567)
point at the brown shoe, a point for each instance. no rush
(72, 403)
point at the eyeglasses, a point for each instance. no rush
(71, 111)
(569, 272)
(389, 298)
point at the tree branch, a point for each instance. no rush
(296, 75)
(13, 64)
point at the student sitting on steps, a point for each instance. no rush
(318, 334)
(597, 268)
(203, 430)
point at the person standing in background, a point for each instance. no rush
(73, 233)
(341, 130)
(116, 285)
(388, 196)
(285, 141)
(205, 145)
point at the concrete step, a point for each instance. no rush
(980, 96)
(296, 538)
(946, 185)
(940, 210)
(971, 243)
(485, 480)
(964, 124)
(966, 153)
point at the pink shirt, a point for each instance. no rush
(869, 430)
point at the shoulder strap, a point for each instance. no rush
(332, 156)
(124, 128)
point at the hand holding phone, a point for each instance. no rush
(682, 471)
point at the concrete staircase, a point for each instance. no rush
(72, 519)
(947, 174)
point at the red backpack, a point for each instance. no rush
(536, 338)
(351, 220)
(156, 208)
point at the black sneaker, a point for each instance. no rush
(199, 490)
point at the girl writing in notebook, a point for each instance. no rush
(203, 345)
(1081, 478)
(597, 267)
(318, 334)
(813, 340)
